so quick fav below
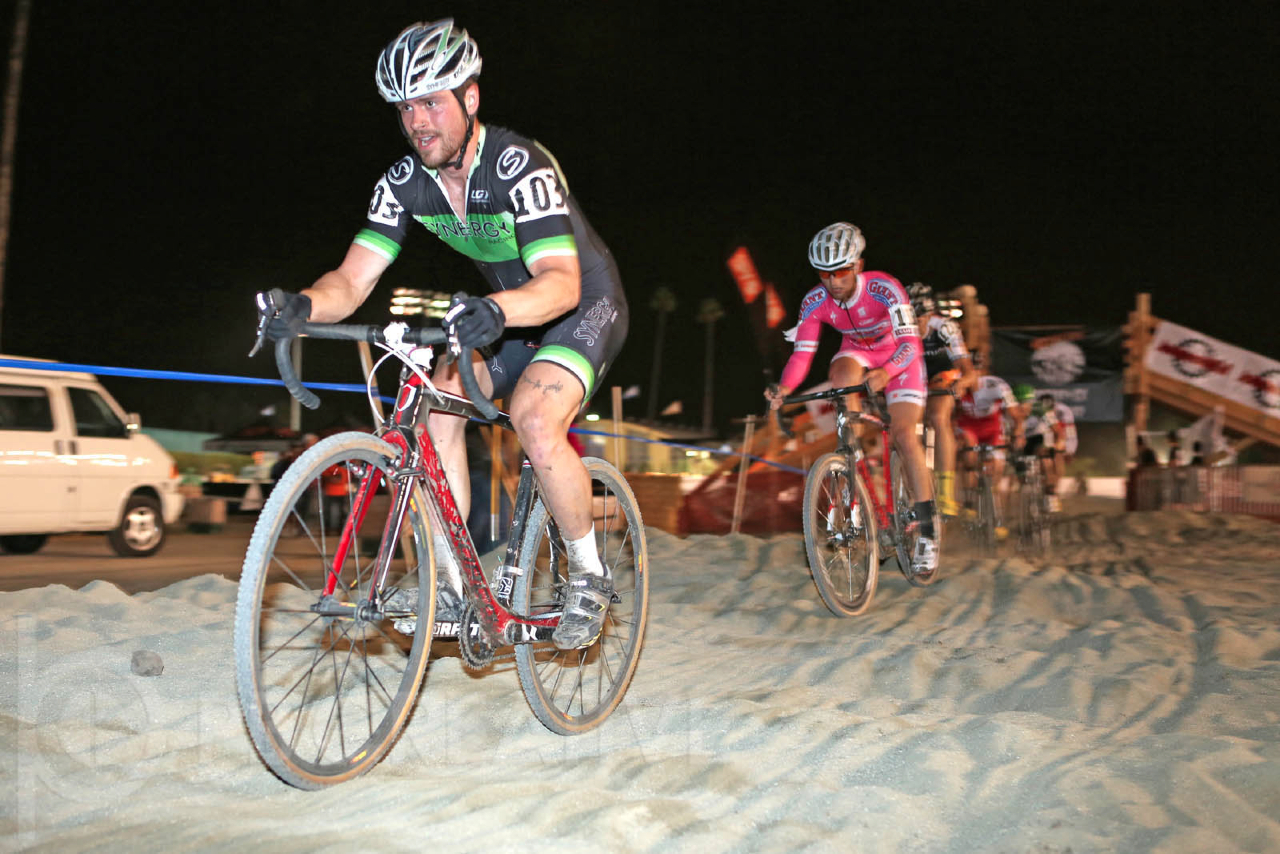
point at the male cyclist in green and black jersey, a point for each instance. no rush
(558, 316)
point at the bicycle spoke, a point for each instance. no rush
(296, 635)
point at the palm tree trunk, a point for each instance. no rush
(8, 142)
(657, 366)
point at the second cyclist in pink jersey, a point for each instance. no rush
(881, 345)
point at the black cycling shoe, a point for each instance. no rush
(584, 612)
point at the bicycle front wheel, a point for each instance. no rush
(326, 682)
(840, 536)
(572, 691)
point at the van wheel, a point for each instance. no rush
(23, 544)
(141, 530)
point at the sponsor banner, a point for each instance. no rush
(764, 305)
(1081, 367)
(744, 272)
(1207, 363)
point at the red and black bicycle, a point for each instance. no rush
(333, 626)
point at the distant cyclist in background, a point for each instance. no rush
(557, 316)
(947, 364)
(1068, 443)
(981, 420)
(880, 345)
(1043, 434)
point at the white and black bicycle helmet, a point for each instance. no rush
(426, 58)
(838, 245)
(922, 300)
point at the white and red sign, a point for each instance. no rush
(1207, 363)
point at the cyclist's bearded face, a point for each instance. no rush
(435, 126)
(840, 283)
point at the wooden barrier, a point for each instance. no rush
(659, 497)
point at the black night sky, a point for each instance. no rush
(174, 158)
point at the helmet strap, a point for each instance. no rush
(471, 125)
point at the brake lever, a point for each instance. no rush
(453, 349)
(267, 311)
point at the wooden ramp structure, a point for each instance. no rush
(1255, 423)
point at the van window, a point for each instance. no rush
(25, 407)
(93, 416)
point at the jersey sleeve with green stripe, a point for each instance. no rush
(518, 210)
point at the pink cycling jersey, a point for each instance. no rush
(878, 328)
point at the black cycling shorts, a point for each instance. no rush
(1036, 445)
(584, 343)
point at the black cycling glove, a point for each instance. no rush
(292, 310)
(475, 321)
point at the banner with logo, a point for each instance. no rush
(1081, 367)
(1207, 363)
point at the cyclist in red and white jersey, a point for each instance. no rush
(981, 420)
(881, 346)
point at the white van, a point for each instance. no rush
(71, 460)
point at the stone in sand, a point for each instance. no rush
(146, 663)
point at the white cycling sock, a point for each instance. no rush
(583, 556)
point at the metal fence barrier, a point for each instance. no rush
(1254, 490)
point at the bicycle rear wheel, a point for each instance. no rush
(572, 691)
(906, 528)
(840, 536)
(327, 683)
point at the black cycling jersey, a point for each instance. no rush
(943, 345)
(518, 210)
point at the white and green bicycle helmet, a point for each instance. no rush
(426, 58)
(838, 245)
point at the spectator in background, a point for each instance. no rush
(1174, 451)
(1146, 456)
(296, 450)
(334, 482)
(1197, 451)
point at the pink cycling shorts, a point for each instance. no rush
(909, 386)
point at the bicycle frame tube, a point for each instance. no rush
(884, 509)
(493, 615)
(853, 452)
(359, 509)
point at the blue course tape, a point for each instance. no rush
(143, 373)
(772, 463)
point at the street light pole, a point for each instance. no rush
(9, 139)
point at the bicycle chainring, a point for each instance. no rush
(477, 654)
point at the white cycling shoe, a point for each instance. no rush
(585, 608)
(924, 562)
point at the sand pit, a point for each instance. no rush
(1122, 695)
